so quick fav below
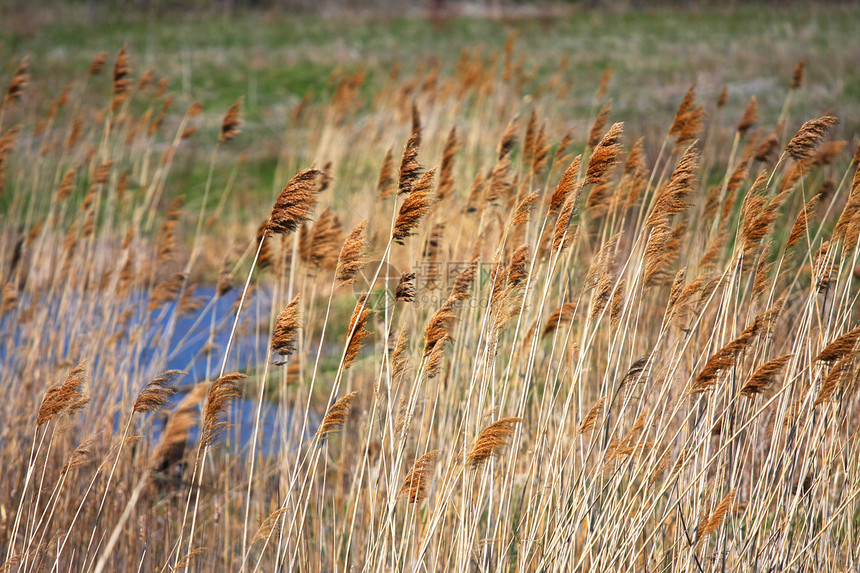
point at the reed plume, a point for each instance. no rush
(446, 168)
(840, 346)
(405, 290)
(414, 207)
(763, 378)
(809, 136)
(414, 487)
(352, 255)
(566, 185)
(410, 168)
(98, 63)
(157, 392)
(356, 333)
(508, 141)
(20, 81)
(605, 155)
(673, 198)
(559, 316)
(716, 518)
(335, 416)
(318, 248)
(230, 123)
(222, 392)
(65, 396)
(121, 79)
(491, 441)
(286, 333)
(171, 447)
(385, 184)
(749, 118)
(439, 326)
(594, 134)
(591, 417)
(295, 203)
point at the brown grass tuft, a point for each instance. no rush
(386, 183)
(491, 441)
(20, 80)
(230, 123)
(605, 155)
(809, 136)
(414, 207)
(415, 485)
(763, 378)
(840, 346)
(157, 392)
(171, 446)
(335, 417)
(295, 203)
(410, 168)
(356, 333)
(352, 255)
(64, 396)
(286, 332)
(222, 391)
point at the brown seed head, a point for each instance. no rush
(810, 134)
(286, 332)
(230, 123)
(415, 485)
(491, 441)
(295, 203)
(221, 393)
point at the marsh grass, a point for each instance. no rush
(627, 361)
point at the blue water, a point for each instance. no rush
(185, 351)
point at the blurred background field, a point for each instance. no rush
(277, 54)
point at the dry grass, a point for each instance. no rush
(638, 353)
